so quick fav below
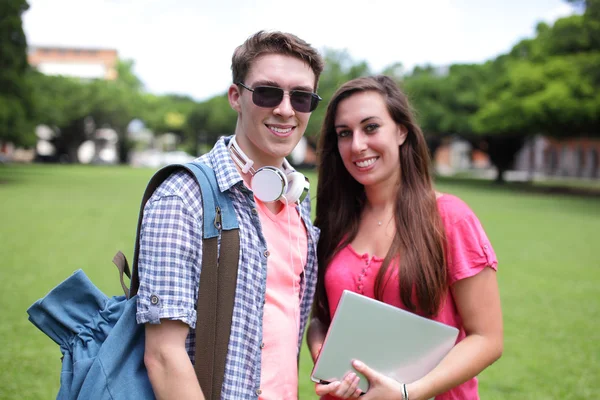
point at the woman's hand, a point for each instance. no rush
(380, 386)
(347, 388)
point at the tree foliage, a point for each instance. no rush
(16, 104)
(548, 84)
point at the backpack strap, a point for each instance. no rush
(216, 293)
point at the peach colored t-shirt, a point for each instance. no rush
(287, 245)
(468, 251)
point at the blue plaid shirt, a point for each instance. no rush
(170, 264)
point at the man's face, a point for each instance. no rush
(267, 135)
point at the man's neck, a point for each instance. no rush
(258, 160)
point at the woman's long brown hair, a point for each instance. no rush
(418, 246)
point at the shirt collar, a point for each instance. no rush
(225, 170)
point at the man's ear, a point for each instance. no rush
(402, 134)
(233, 95)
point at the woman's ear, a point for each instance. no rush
(402, 134)
(233, 95)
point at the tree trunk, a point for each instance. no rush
(123, 147)
(197, 143)
(500, 176)
(68, 141)
(433, 142)
(502, 150)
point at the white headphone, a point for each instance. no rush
(270, 183)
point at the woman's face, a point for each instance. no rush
(369, 139)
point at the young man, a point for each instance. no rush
(275, 78)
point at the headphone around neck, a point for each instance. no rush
(268, 183)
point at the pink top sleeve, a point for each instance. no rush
(468, 249)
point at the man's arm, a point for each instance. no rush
(170, 246)
(169, 367)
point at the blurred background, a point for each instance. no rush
(507, 93)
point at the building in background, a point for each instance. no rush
(84, 63)
(456, 155)
(573, 157)
(541, 157)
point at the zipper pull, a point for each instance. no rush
(218, 221)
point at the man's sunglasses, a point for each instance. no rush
(271, 96)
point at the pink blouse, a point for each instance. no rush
(468, 251)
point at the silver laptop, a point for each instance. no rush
(395, 342)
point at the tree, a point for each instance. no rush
(127, 78)
(74, 107)
(445, 99)
(61, 103)
(545, 85)
(16, 105)
(591, 19)
(197, 126)
(222, 118)
(115, 104)
(166, 113)
(339, 68)
(549, 79)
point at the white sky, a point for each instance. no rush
(185, 46)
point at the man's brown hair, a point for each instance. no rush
(263, 42)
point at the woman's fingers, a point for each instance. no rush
(369, 373)
(348, 386)
(321, 389)
(344, 389)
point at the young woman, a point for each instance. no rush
(386, 233)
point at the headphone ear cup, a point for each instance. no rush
(297, 187)
(269, 184)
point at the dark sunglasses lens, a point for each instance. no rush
(303, 101)
(265, 96)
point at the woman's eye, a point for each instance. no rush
(343, 134)
(371, 127)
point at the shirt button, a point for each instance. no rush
(267, 253)
(258, 392)
(254, 211)
(262, 345)
(154, 299)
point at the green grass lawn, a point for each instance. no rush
(56, 219)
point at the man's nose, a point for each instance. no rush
(285, 108)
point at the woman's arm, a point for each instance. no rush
(315, 336)
(347, 387)
(478, 302)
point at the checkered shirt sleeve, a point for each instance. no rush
(170, 247)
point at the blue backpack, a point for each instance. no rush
(101, 343)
